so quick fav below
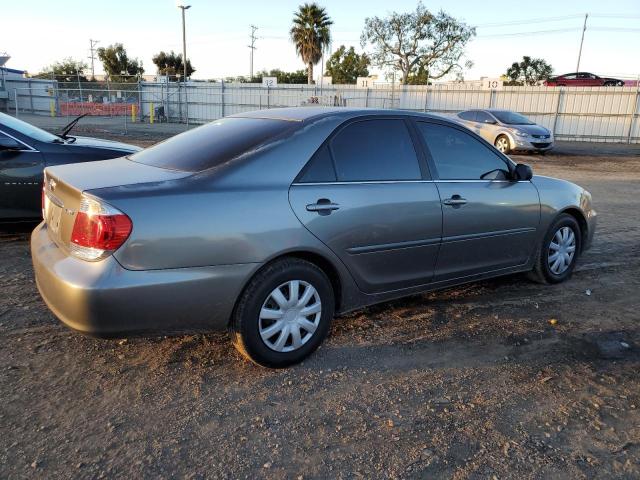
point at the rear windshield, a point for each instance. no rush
(212, 144)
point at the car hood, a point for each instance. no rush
(106, 144)
(532, 129)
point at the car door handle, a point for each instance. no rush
(455, 201)
(323, 206)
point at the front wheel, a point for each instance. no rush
(557, 256)
(284, 313)
(502, 144)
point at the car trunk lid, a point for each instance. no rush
(64, 186)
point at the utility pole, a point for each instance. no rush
(92, 47)
(584, 28)
(252, 47)
(184, 40)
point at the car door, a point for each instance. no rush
(367, 196)
(20, 181)
(489, 222)
(486, 126)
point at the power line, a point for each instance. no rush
(527, 21)
(252, 47)
(524, 34)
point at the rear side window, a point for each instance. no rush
(320, 168)
(375, 150)
(212, 144)
(459, 156)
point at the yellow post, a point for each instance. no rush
(151, 113)
(52, 108)
(134, 109)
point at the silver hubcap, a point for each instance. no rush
(562, 249)
(502, 144)
(289, 316)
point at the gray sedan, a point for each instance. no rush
(507, 130)
(270, 223)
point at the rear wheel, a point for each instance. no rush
(502, 144)
(284, 313)
(557, 256)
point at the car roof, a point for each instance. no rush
(303, 114)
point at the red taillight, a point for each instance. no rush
(103, 232)
(98, 230)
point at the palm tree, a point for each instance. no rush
(310, 33)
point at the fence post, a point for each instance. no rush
(57, 97)
(15, 94)
(426, 96)
(634, 111)
(30, 95)
(366, 99)
(139, 102)
(186, 100)
(268, 97)
(222, 98)
(555, 119)
(179, 100)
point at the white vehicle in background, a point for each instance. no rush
(508, 131)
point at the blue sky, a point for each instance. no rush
(39, 32)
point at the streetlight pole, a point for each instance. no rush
(184, 7)
(184, 39)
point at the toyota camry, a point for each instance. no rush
(270, 223)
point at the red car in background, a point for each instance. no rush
(583, 79)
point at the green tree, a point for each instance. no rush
(66, 70)
(299, 76)
(345, 66)
(418, 40)
(530, 71)
(310, 34)
(117, 64)
(171, 64)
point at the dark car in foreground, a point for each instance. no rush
(508, 131)
(25, 151)
(583, 79)
(270, 223)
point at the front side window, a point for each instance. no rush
(484, 117)
(459, 156)
(512, 118)
(375, 150)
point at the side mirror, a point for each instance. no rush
(492, 122)
(8, 143)
(523, 172)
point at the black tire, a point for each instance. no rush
(508, 147)
(541, 272)
(244, 327)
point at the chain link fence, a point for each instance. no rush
(608, 114)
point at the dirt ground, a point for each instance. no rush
(497, 379)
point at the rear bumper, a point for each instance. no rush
(106, 300)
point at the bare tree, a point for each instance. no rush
(417, 41)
